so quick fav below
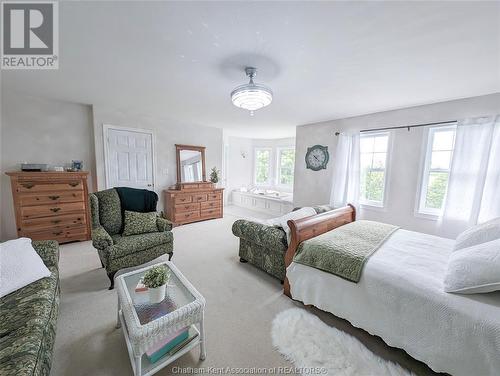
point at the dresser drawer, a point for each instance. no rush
(180, 217)
(214, 196)
(61, 235)
(30, 199)
(190, 187)
(33, 186)
(215, 212)
(187, 207)
(182, 199)
(199, 197)
(28, 212)
(210, 204)
(48, 223)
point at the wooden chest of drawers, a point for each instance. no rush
(197, 202)
(51, 205)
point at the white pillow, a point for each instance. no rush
(478, 234)
(20, 265)
(475, 269)
(297, 214)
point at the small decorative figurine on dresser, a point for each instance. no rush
(193, 199)
(76, 165)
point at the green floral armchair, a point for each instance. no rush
(117, 251)
(265, 246)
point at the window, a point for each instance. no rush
(436, 171)
(373, 163)
(286, 164)
(262, 166)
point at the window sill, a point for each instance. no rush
(285, 188)
(373, 207)
(428, 216)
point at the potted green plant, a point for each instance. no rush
(156, 280)
(214, 175)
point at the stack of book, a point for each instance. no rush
(167, 345)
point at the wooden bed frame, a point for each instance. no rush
(309, 227)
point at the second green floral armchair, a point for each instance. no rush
(116, 250)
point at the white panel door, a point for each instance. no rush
(129, 158)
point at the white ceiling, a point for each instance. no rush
(323, 60)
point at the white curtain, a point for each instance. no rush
(345, 184)
(474, 183)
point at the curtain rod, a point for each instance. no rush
(404, 126)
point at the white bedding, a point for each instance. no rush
(400, 298)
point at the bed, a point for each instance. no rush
(400, 298)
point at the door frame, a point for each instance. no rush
(107, 127)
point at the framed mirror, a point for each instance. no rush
(190, 163)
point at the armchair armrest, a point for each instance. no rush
(163, 224)
(48, 250)
(259, 233)
(100, 238)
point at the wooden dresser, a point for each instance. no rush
(51, 205)
(192, 202)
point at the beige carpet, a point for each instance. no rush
(241, 304)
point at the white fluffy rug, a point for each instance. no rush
(309, 343)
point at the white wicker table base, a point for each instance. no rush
(141, 337)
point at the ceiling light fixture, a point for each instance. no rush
(251, 96)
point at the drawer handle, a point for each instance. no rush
(187, 215)
(55, 210)
(54, 197)
(56, 221)
(57, 233)
(28, 185)
(74, 184)
(186, 207)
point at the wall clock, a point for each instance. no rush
(317, 157)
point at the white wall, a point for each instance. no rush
(167, 134)
(240, 170)
(41, 131)
(239, 164)
(314, 187)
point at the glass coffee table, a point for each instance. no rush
(145, 325)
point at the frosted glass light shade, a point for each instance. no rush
(252, 96)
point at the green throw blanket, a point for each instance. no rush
(344, 250)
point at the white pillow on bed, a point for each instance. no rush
(478, 234)
(474, 269)
(297, 214)
(20, 265)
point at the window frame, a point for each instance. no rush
(425, 171)
(280, 149)
(371, 204)
(269, 170)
